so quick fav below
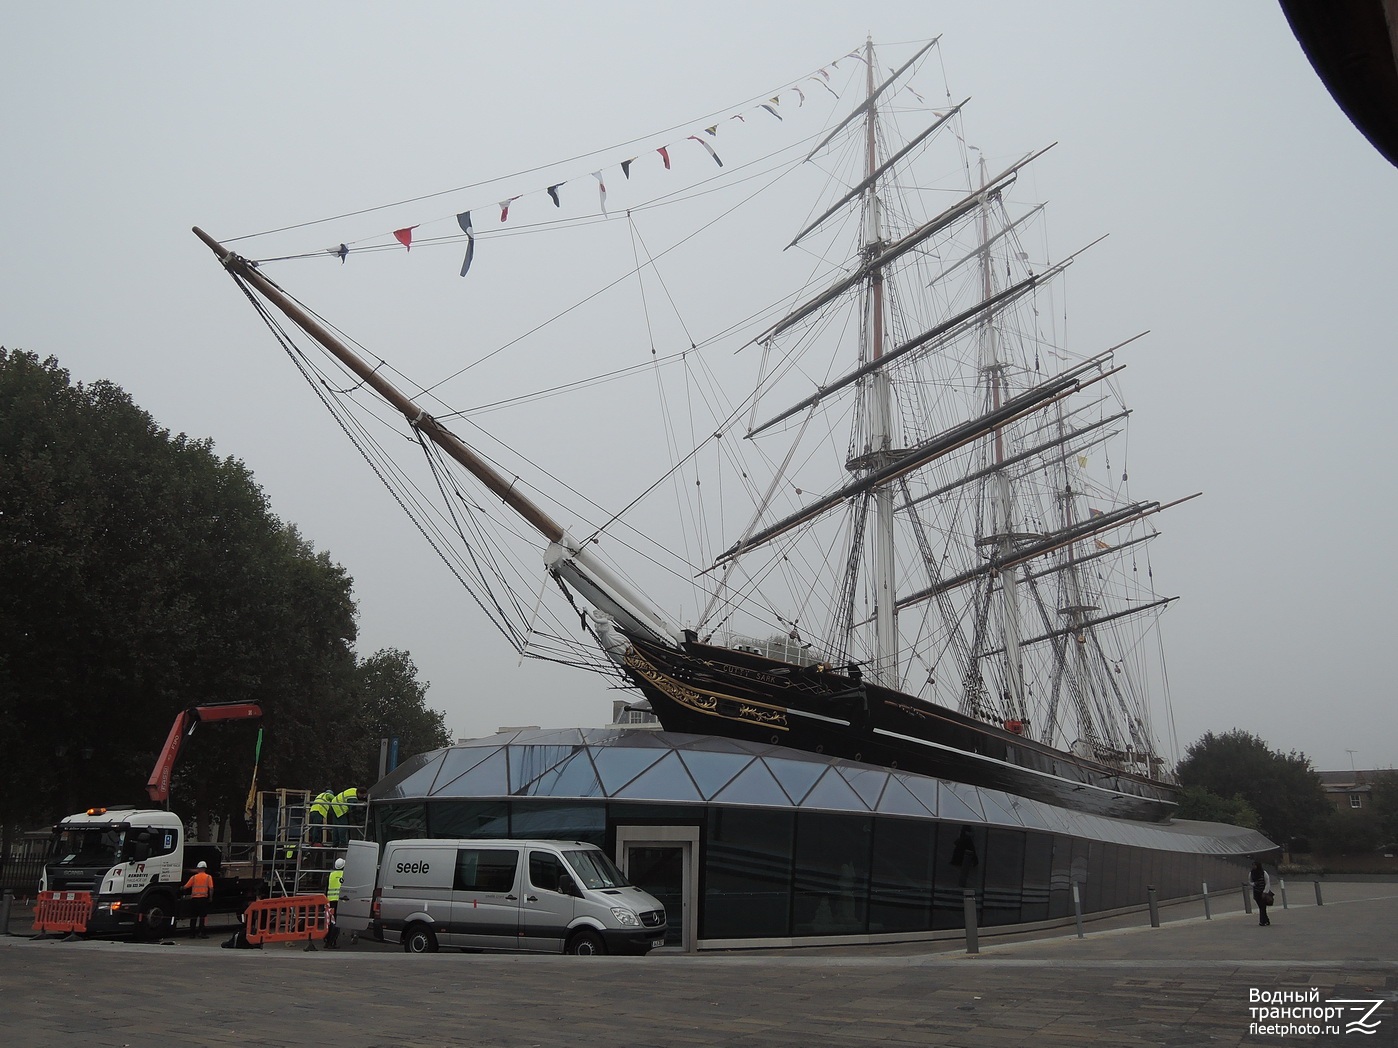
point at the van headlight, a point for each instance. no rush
(625, 917)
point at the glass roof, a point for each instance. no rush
(660, 766)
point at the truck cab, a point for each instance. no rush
(130, 860)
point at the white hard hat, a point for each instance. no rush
(339, 864)
(203, 865)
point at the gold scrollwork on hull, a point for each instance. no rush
(704, 702)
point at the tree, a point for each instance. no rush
(1384, 796)
(392, 703)
(142, 574)
(1198, 803)
(1281, 787)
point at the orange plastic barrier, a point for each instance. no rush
(296, 918)
(62, 912)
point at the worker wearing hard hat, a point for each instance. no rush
(339, 811)
(201, 892)
(319, 814)
(332, 895)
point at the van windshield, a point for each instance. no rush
(595, 870)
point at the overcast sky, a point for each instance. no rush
(1253, 230)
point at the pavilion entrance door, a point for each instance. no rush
(664, 860)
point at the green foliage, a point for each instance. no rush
(142, 575)
(1384, 798)
(1348, 833)
(392, 703)
(1199, 804)
(1281, 788)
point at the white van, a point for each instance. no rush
(540, 896)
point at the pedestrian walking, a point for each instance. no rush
(1261, 892)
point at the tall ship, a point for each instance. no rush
(916, 543)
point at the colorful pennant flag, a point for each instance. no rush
(626, 166)
(505, 207)
(553, 192)
(405, 237)
(464, 221)
(800, 96)
(771, 110)
(665, 156)
(601, 189)
(710, 148)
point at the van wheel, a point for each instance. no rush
(586, 943)
(419, 939)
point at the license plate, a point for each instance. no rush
(655, 944)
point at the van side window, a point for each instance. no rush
(545, 871)
(485, 870)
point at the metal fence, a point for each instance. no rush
(20, 874)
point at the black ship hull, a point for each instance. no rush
(709, 690)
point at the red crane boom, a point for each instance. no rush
(158, 786)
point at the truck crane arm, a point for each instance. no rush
(158, 786)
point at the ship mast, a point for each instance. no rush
(1002, 504)
(880, 404)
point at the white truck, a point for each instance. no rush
(134, 863)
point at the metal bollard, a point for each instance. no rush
(1247, 897)
(1154, 906)
(968, 903)
(1281, 884)
(1208, 913)
(1318, 900)
(1077, 908)
(5, 904)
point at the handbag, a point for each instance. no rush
(1268, 898)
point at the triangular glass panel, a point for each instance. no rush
(412, 778)
(666, 780)
(754, 785)
(869, 783)
(459, 760)
(998, 808)
(833, 793)
(796, 777)
(576, 778)
(713, 771)
(957, 802)
(487, 779)
(1033, 814)
(922, 788)
(618, 766)
(551, 737)
(529, 763)
(896, 800)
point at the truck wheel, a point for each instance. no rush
(157, 917)
(419, 939)
(586, 943)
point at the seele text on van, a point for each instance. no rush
(540, 896)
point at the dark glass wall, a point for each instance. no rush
(901, 875)
(747, 874)
(772, 873)
(830, 874)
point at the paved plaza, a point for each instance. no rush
(1188, 982)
